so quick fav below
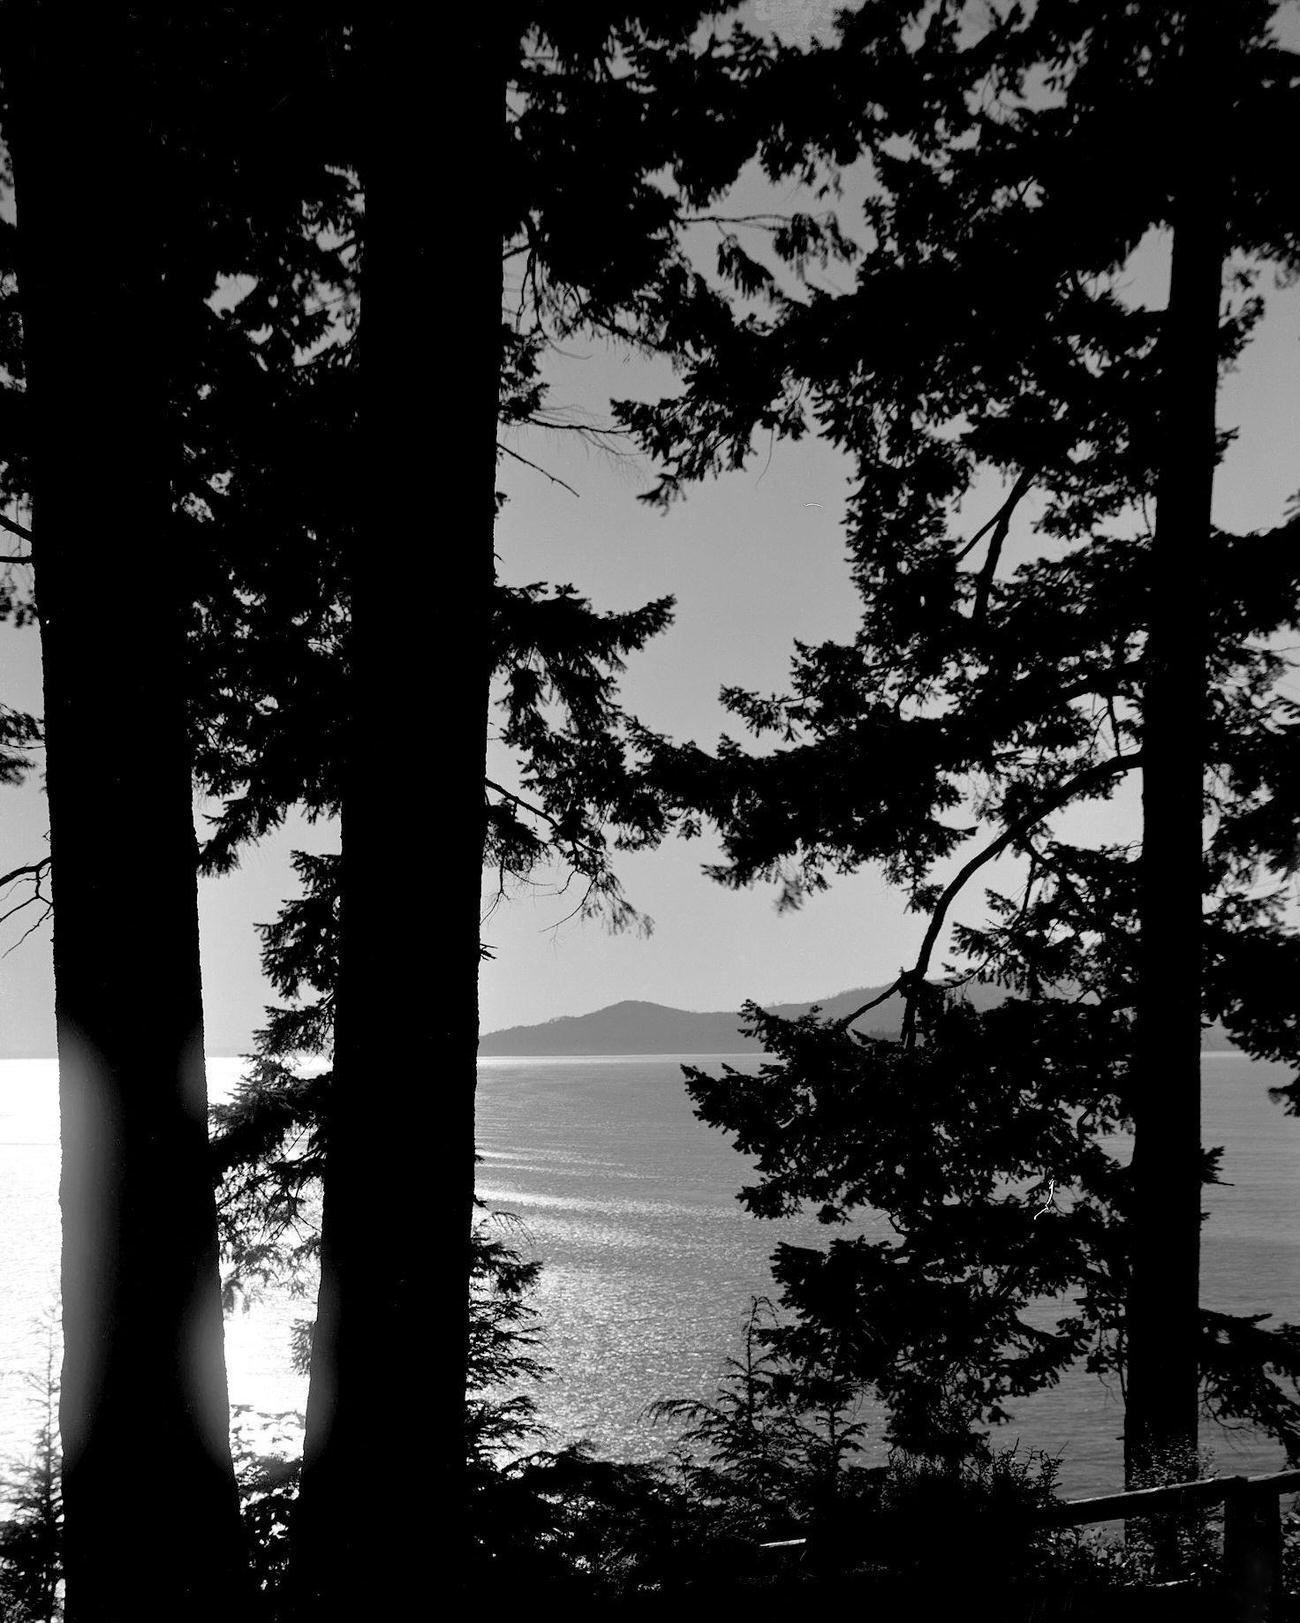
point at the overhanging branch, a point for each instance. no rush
(910, 981)
(1091, 777)
(35, 871)
(1001, 527)
(21, 531)
(538, 811)
(555, 480)
(31, 870)
(904, 975)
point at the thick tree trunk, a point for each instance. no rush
(152, 1523)
(387, 1401)
(1161, 1392)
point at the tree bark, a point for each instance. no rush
(387, 1400)
(152, 1518)
(1162, 1318)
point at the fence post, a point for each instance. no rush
(1252, 1551)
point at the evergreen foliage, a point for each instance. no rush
(627, 76)
(771, 1449)
(987, 340)
(268, 1156)
(98, 400)
(31, 1539)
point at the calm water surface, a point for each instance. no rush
(650, 1262)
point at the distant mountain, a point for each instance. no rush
(654, 1028)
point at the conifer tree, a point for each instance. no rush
(284, 400)
(142, 1315)
(986, 337)
(602, 128)
(31, 1540)
(223, 114)
(1162, 1352)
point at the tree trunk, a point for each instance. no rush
(386, 1409)
(152, 1520)
(1162, 1321)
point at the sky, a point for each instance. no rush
(755, 560)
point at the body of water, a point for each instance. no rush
(257, 1342)
(649, 1261)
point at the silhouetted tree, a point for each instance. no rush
(986, 336)
(222, 113)
(142, 1315)
(559, 661)
(269, 1154)
(772, 1444)
(554, 108)
(1161, 1324)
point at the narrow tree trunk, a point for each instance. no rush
(387, 1401)
(152, 1521)
(1161, 1391)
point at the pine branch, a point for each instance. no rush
(910, 980)
(537, 811)
(1090, 777)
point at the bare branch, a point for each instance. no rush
(26, 902)
(904, 975)
(31, 929)
(36, 872)
(1002, 525)
(23, 534)
(581, 907)
(594, 431)
(555, 480)
(1001, 518)
(768, 222)
(978, 537)
(33, 869)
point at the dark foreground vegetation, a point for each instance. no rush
(763, 1503)
(273, 307)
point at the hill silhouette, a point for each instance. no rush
(637, 1027)
(634, 1027)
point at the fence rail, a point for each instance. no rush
(1252, 1530)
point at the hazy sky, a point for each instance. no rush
(754, 561)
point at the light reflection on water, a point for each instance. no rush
(649, 1261)
(257, 1342)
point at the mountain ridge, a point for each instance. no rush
(637, 1026)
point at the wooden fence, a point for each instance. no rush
(1252, 1530)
